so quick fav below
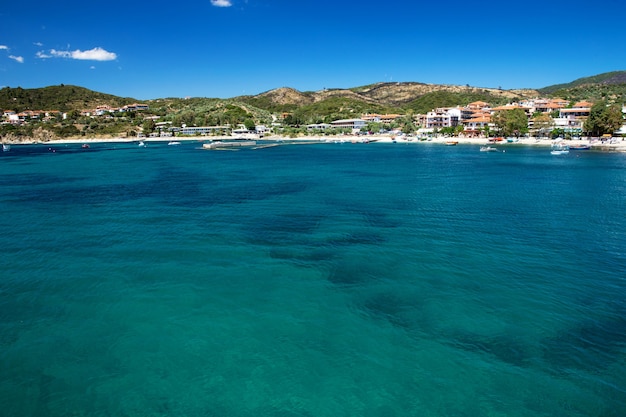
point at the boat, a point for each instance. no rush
(559, 148)
(141, 144)
(173, 143)
(488, 149)
(512, 140)
(452, 143)
(579, 147)
(85, 146)
(6, 147)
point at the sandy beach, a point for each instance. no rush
(615, 144)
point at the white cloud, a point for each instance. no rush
(92, 67)
(59, 54)
(221, 3)
(4, 47)
(95, 54)
(38, 44)
(19, 59)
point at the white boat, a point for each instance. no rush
(488, 149)
(174, 143)
(558, 148)
(141, 144)
(6, 147)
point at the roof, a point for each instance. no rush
(481, 119)
(348, 121)
(510, 107)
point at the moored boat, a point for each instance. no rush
(579, 147)
(451, 143)
(6, 147)
(559, 148)
(488, 149)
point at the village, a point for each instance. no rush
(545, 117)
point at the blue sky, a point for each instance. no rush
(227, 48)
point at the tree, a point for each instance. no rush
(542, 124)
(249, 124)
(603, 119)
(511, 122)
(148, 126)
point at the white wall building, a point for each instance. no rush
(442, 117)
(354, 124)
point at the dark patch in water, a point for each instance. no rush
(357, 272)
(594, 344)
(390, 307)
(504, 348)
(281, 229)
(358, 238)
(313, 256)
(248, 190)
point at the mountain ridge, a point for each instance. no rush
(383, 96)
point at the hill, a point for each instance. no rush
(396, 97)
(607, 78)
(610, 86)
(59, 97)
(313, 106)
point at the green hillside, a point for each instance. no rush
(429, 101)
(607, 78)
(300, 108)
(59, 97)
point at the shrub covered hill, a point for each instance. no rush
(312, 107)
(63, 98)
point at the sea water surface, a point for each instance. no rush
(312, 280)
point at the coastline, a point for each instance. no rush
(617, 144)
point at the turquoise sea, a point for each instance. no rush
(312, 280)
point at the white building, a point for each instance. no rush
(201, 130)
(354, 124)
(442, 117)
(573, 119)
(318, 126)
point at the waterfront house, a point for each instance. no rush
(354, 124)
(318, 126)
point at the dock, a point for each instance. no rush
(224, 145)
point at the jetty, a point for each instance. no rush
(225, 145)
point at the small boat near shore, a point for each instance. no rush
(173, 143)
(488, 149)
(579, 147)
(6, 147)
(559, 148)
(451, 143)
